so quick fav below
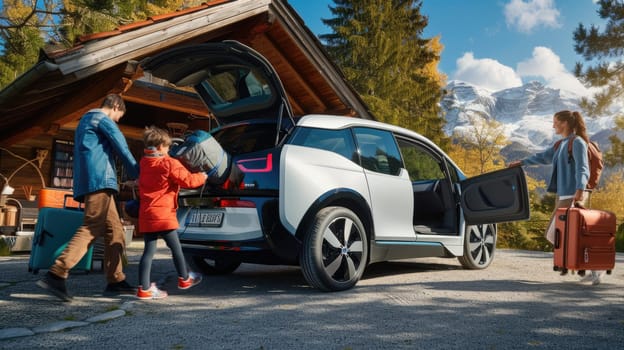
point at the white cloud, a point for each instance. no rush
(545, 64)
(486, 73)
(525, 16)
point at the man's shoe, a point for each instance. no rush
(118, 288)
(55, 285)
(193, 279)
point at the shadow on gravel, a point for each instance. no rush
(571, 289)
(289, 279)
(383, 269)
(272, 307)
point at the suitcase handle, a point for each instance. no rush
(71, 196)
(557, 238)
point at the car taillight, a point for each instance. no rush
(233, 203)
(256, 165)
(229, 185)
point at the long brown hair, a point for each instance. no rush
(575, 121)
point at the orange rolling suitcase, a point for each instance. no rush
(56, 198)
(584, 240)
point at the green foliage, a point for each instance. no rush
(482, 144)
(527, 235)
(615, 155)
(619, 239)
(420, 165)
(610, 194)
(93, 16)
(378, 45)
(603, 49)
(5, 249)
(21, 39)
(28, 27)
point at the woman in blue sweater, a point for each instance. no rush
(569, 174)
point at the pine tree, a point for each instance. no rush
(604, 50)
(379, 46)
(28, 27)
(93, 16)
(606, 71)
(20, 35)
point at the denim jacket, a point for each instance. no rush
(568, 174)
(97, 140)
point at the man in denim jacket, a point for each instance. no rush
(97, 140)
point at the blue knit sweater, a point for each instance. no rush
(568, 174)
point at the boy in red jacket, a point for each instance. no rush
(160, 180)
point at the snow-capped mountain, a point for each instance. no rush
(526, 113)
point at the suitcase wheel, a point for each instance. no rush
(608, 272)
(581, 273)
(563, 270)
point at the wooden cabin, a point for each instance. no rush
(40, 109)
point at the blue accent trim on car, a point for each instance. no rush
(408, 243)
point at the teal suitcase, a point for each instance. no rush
(54, 229)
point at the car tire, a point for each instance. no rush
(479, 246)
(327, 261)
(211, 266)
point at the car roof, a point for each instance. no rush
(325, 121)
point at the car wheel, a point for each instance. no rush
(335, 250)
(211, 266)
(479, 246)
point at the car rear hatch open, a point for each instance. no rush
(234, 81)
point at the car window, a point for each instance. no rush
(246, 138)
(378, 151)
(420, 163)
(232, 83)
(337, 141)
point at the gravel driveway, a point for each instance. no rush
(517, 303)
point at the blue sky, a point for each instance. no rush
(496, 44)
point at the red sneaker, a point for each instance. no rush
(193, 279)
(152, 293)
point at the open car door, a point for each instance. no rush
(499, 196)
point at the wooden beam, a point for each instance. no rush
(72, 100)
(268, 49)
(130, 132)
(145, 95)
(297, 109)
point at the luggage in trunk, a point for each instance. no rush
(202, 152)
(584, 240)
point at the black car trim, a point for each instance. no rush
(344, 197)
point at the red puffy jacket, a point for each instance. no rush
(160, 180)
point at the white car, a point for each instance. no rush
(331, 194)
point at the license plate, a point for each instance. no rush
(209, 218)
